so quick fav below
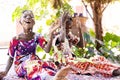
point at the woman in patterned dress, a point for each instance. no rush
(22, 51)
(97, 65)
(64, 40)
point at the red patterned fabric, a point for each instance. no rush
(98, 65)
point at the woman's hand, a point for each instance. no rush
(54, 27)
(2, 75)
(62, 73)
(64, 17)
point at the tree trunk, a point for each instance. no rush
(81, 42)
(97, 17)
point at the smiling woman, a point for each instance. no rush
(22, 51)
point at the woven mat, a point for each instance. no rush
(12, 76)
(72, 77)
(85, 77)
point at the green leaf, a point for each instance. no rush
(92, 33)
(39, 49)
(40, 29)
(58, 13)
(32, 3)
(49, 21)
(113, 44)
(17, 12)
(44, 56)
(110, 36)
(51, 51)
(44, 3)
(87, 38)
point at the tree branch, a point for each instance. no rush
(105, 8)
(87, 9)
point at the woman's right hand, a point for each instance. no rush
(64, 17)
(2, 75)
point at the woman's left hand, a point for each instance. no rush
(54, 27)
(2, 75)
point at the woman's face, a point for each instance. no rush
(27, 20)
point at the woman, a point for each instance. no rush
(94, 66)
(64, 40)
(22, 51)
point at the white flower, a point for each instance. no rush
(116, 51)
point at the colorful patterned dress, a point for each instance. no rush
(26, 62)
(97, 65)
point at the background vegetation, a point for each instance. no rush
(97, 44)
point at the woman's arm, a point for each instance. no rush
(50, 37)
(8, 66)
(49, 44)
(61, 23)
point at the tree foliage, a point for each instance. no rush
(98, 7)
(39, 8)
(43, 8)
